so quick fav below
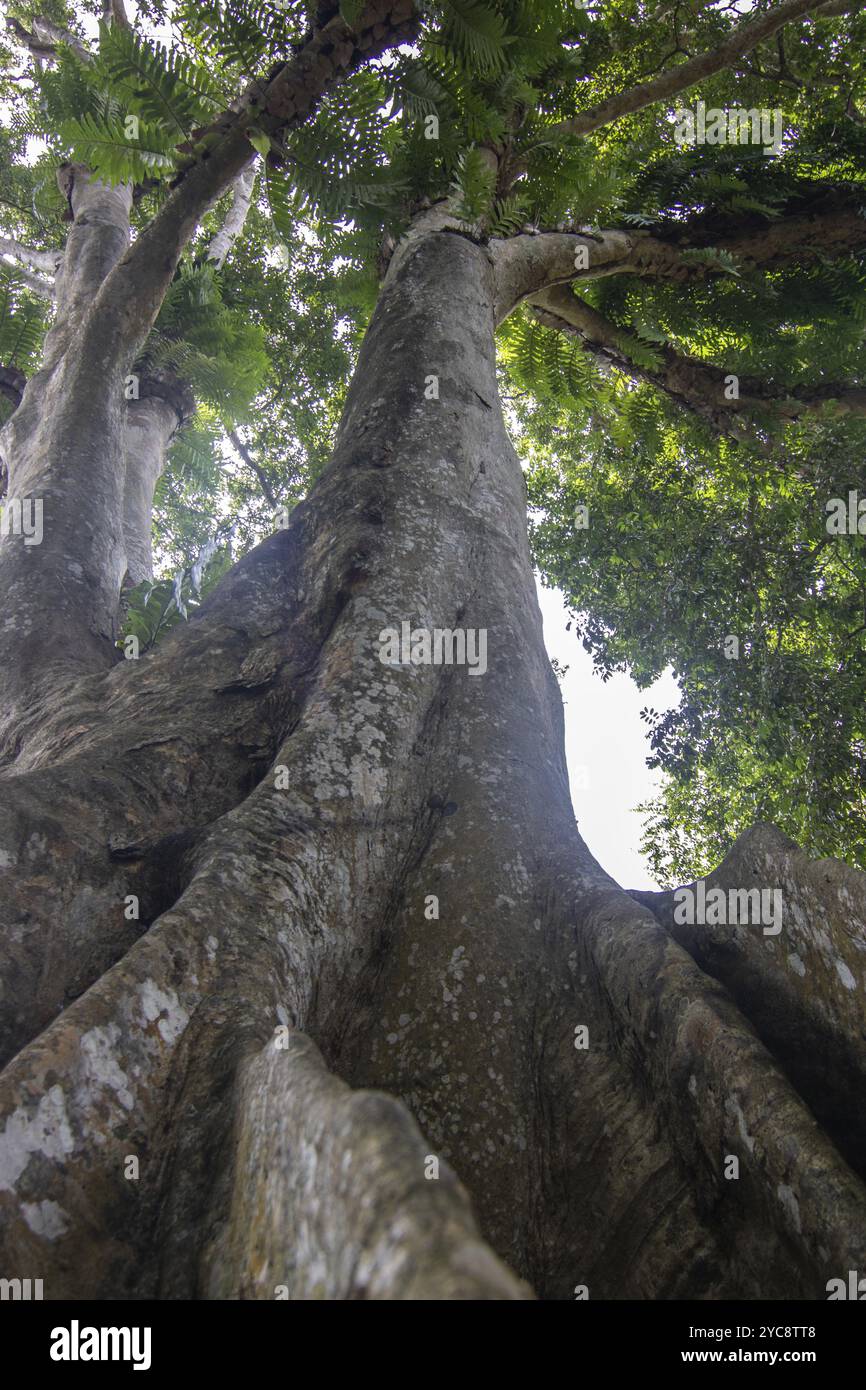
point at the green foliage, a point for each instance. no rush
(690, 544)
(166, 86)
(22, 328)
(472, 187)
(477, 33)
(210, 345)
(547, 364)
(154, 607)
(88, 106)
(115, 152)
(241, 36)
(22, 322)
(711, 256)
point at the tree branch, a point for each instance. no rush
(699, 386)
(250, 462)
(527, 263)
(43, 40)
(826, 222)
(742, 40)
(113, 12)
(46, 261)
(823, 220)
(44, 288)
(231, 229)
(132, 293)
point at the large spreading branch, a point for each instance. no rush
(743, 38)
(822, 222)
(701, 387)
(130, 297)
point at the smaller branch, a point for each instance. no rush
(129, 299)
(242, 197)
(250, 462)
(45, 38)
(831, 9)
(529, 262)
(46, 261)
(113, 12)
(35, 283)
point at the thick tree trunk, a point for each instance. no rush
(383, 858)
(62, 447)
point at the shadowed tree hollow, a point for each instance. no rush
(310, 987)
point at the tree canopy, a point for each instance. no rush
(687, 400)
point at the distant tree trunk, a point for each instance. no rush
(356, 878)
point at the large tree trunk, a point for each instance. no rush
(383, 859)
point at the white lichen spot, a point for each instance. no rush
(45, 1219)
(155, 1003)
(101, 1067)
(845, 975)
(46, 1131)
(796, 963)
(457, 964)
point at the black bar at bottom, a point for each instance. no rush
(248, 1338)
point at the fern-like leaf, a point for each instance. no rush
(168, 87)
(116, 156)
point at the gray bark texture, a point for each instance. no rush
(326, 1091)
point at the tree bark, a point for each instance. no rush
(382, 859)
(62, 447)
